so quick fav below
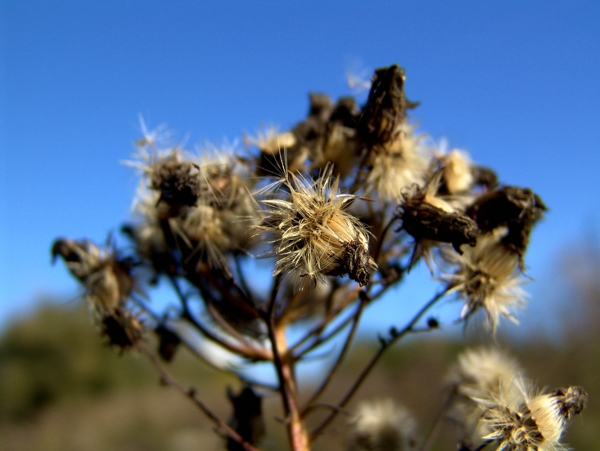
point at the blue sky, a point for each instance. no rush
(516, 83)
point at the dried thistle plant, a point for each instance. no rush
(320, 200)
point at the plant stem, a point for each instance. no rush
(168, 379)
(284, 365)
(365, 372)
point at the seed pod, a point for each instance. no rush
(386, 107)
(516, 208)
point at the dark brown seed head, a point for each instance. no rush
(516, 208)
(385, 108)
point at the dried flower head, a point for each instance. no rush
(212, 222)
(458, 172)
(482, 370)
(517, 209)
(429, 219)
(121, 328)
(537, 423)
(477, 373)
(108, 283)
(382, 425)
(487, 277)
(386, 107)
(314, 234)
(401, 163)
(271, 140)
(106, 278)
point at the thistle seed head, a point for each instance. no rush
(517, 209)
(106, 278)
(477, 374)
(314, 234)
(487, 277)
(537, 423)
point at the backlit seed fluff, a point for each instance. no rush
(481, 370)
(458, 173)
(314, 235)
(487, 277)
(478, 373)
(271, 141)
(397, 166)
(382, 425)
(536, 424)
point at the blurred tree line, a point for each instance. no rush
(61, 389)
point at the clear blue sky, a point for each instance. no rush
(516, 83)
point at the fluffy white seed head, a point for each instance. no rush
(314, 235)
(537, 423)
(478, 374)
(399, 165)
(488, 277)
(382, 425)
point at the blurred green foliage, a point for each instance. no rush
(62, 389)
(55, 354)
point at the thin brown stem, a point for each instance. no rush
(385, 345)
(317, 330)
(339, 360)
(382, 237)
(168, 379)
(483, 445)
(297, 434)
(253, 353)
(320, 339)
(437, 425)
(242, 277)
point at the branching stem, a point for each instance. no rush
(365, 372)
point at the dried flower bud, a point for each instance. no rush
(516, 208)
(247, 419)
(386, 107)
(121, 328)
(314, 234)
(427, 217)
(382, 425)
(168, 342)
